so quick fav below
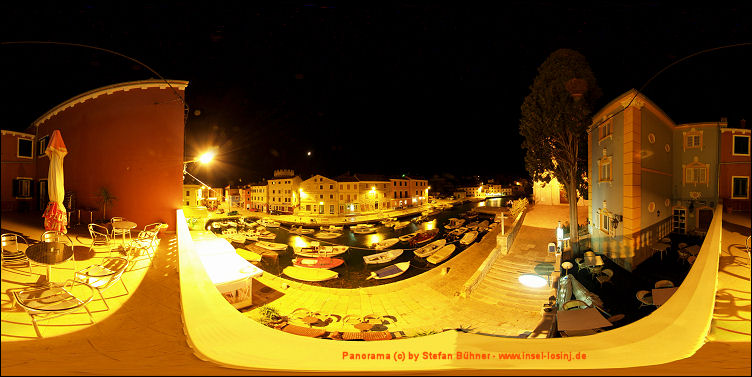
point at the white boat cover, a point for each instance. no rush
(230, 273)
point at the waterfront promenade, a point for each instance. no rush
(143, 332)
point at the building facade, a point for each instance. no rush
(282, 192)
(319, 196)
(19, 176)
(733, 180)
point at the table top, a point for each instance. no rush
(363, 326)
(310, 320)
(124, 224)
(694, 249)
(581, 319)
(660, 246)
(49, 253)
(661, 295)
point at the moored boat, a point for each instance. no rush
(318, 262)
(400, 224)
(441, 254)
(363, 229)
(331, 228)
(275, 246)
(456, 233)
(327, 235)
(381, 245)
(454, 223)
(269, 223)
(430, 248)
(483, 226)
(390, 271)
(309, 274)
(407, 237)
(300, 230)
(320, 251)
(383, 257)
(424, 236)
(469, 237)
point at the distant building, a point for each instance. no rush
(192, 196)
(318, 196)
(18, 174)
(282, 191)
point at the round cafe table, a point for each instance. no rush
(123, 225)
(49, 254)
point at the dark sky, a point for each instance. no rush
(372, 87)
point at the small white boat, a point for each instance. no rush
(237, 237)
(469, 237)
(483, 226)
(327, 235)
(390, 271)
(320, 251)
(266, 235)
(363, 229)
(442, 254)
(300, 230)
(229, 231)
(269, 223)
(456, 233)
(389, 221)
(430, 248)
(472, 225)
(383, 257)
(232, 224)
(275, 246)
(491, 227)
(332, 228)
(401, 224)
(407, 237)
(381, 245)
(454, 223)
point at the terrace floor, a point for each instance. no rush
(142, 333)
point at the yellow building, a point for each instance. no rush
(348, 195)
(318, 196)
(373, 191)
(192, 195)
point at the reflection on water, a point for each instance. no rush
(354, 271)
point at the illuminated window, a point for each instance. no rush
(740, 187)
(606, 225)
(606, 129)
(741, 145)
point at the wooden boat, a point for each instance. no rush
(469, 237)
(389, 221)
(265, 253)
(390, 271)
(454, 223)
(331, 228)
(300, 230)
(320, 251)
(327, 235)
(407, 237)
(269, 223)
(442, 254)
(274, 246)
(265, 234)
(232, 224)
(482, 226)
(401, 224)
(363, 229)
(248, 255)
(456, 233)
(309, 274)
(424, 236)
(383, 257)
(430, 248)
(237, 237)
(318, 262)
(381, 245)
(472, 225)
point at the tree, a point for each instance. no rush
(105, 199)
(554, 120)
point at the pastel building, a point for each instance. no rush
(374, 191)
(348, 195)
(282, 191)
(418, 189)
(319, 195)
(733, 182)
(647, 177)
(126, 138)
(400, 192)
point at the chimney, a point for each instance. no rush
(742, 123)
(724, 122)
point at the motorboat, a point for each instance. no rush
(318, 262)
(454, 223)
(320, 251)
(383, 257)
(407, 237)
(424, 236)
(456, 233)
(381, 245)
(275, 246)
(469, 237)
(441, 254)
(400, 224)
(430, 248)
(363, 229)
(301, 230)
(269, 223)
(327, 235)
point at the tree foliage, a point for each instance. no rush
(554, 122)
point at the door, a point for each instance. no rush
(704, 217)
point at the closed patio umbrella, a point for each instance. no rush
(55, 216)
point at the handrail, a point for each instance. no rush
(219, 333)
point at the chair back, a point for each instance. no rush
(103, 275)
(664, 284)
(116, 219)
(56, 236)
(574, 304)
(10, 242)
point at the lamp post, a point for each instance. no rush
(204, 159)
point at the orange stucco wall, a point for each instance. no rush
(130, 142)
(13, 167)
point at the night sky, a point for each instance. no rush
(372, 87)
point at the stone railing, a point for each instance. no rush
(503, 244)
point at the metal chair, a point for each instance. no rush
(574, 304)
(645, 298)
(145, 241)
(57, 236)
(11, 256)
(119, 232)
(54, 300)
(99, 237)
(605, 276)
(104, 275)
(664, 284)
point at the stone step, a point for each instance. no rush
(494, 299)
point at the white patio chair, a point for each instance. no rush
(54, 300)
(11, 256)
(104, 275)
(100, 237)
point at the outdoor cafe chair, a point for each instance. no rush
(104, 275)
(119, 232)
(664, 284)
(58, 236)
(54, 300)
(574, 304)
(146, 241)
(11, 255)
(605, 276)
(645, 298)
(100, 237)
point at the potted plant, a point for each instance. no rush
(105, 199)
